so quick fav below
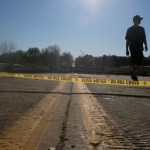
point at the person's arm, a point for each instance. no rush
(145, 41)
(127, 37)
(127, 47)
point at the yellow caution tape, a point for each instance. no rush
(78, 79)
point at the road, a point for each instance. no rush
(41, 115)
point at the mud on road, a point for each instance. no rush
(41, 115)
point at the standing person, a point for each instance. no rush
(135, 38)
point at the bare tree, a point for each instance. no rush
(6, 47)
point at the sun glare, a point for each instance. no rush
(91, 10)
(92, 5)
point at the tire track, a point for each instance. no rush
(102, 132)
(130, 115)
(25, 132)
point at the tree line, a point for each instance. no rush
(52, 58)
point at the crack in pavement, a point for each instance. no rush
(63, 138)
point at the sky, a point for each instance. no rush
(94, 27)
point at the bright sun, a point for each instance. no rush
(90, 11)
(92, 5)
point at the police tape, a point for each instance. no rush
(78, 79)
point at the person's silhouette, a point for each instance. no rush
(135, 38)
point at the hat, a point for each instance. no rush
(137, 17)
